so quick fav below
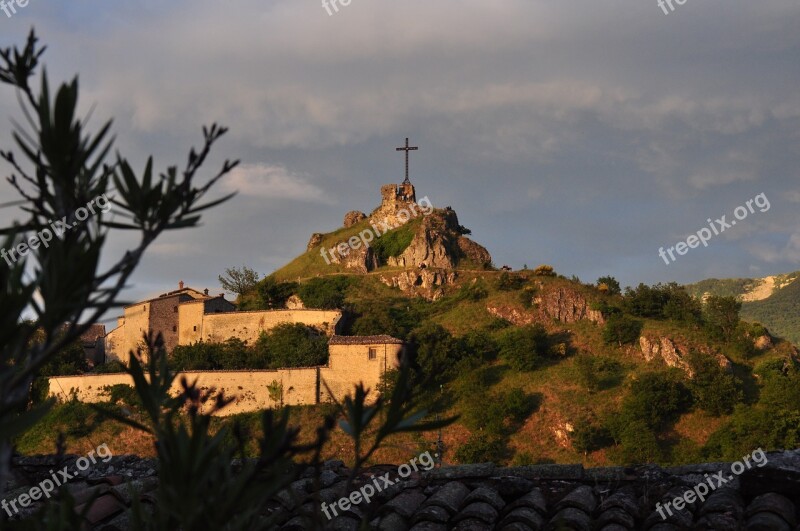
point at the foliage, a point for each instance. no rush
(655, 399)
(662, 301)
(509, 281)
(63, 168)
(722, 316)
(544, 270)
(525, 348)
(325, 293)
(611, 284)
(237, 280)
(756, 427)
(271, 294)
(596, 373)
(114, 366)
(481, 448)
(292, 345)
(286, 345)
(588, 437)
(393, 243)
(621, 330)
(714, 390)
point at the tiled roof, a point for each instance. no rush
(364, 340)
(95, 331)
(483, 497)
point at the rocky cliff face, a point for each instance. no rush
(425, 283)
(668, 351)
(566, 305)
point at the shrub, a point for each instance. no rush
(272, 294)
(611, 284)
(292, 345)
(544, 270)
(595, 372)
(587, 437)
(481, 448)
(326, 293)
(525, 348)
(722, 316)
(509, 282)
(393, 243)
(655, 399)
(714, 390)
(114, 366)
(621, 330)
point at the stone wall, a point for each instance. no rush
(347, 366)
(247, 326)
(350, 364)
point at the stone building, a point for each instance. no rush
(352, 360)
(186, 316)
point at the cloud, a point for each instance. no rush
(264, 181)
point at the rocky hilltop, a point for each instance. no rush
(420, 247)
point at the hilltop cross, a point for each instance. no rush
(407, 148)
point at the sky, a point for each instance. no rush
(581, 134)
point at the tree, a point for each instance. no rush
(273, 294)
(722, 316)
(238, 281)
(611, 284)
(621, 329)
(715, 390)
(525, 348)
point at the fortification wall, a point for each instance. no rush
(249, 388)
(247, 326)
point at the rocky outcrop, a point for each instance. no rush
(512, 315)
(295, 303)
(425, 283)
(566, 305)
(666, 350)
(361, 260)
(437, 243)
(315, 240)
(763, 342)
(353, 218)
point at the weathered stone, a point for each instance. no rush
(315, 240)
(353, 218)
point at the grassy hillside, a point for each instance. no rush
(548, 391)
(779, 311)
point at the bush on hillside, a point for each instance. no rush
(525, 348)
(621, 330)
(482, 448)
(325, 293)
(393, 243)
(715, 390)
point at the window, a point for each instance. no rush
(373, 353)
(194, 328)
(175, 309)
(174, 328)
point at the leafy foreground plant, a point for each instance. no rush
(194, 465)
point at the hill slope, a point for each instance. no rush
(773, 301)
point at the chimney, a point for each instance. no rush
(205, 291)
(180, 284)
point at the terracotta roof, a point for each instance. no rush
(364, 340)
(481, 496)
(95, 331)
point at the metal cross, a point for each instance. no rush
(407, 148)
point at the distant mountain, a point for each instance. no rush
(773, 301)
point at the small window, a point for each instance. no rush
(373, 353)
(174, 328)
(194, 328)
(175, 309)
